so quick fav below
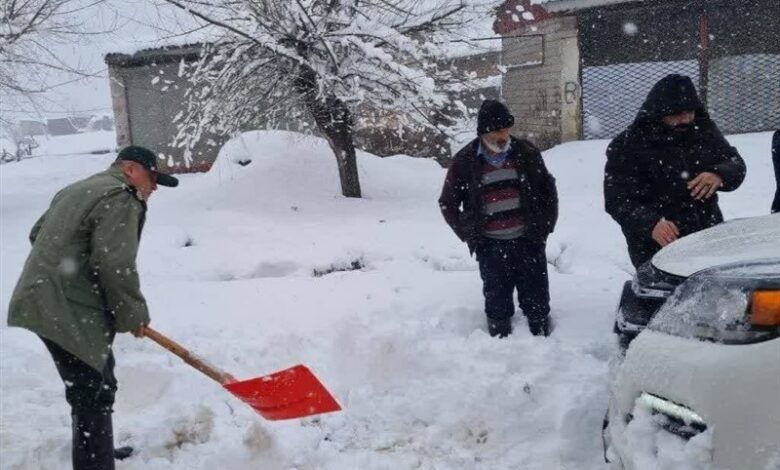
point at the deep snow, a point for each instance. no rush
(227, 264)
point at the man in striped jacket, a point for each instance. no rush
(499, 198)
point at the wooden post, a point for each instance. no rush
(704, 55)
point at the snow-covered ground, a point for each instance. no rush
(227, 263)
(93, 142)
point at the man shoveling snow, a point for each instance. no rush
(80, 287)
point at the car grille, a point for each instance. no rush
(672, 417)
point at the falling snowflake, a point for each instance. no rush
(68, 266)
(593, 124)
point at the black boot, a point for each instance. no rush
(540, 326)
(499, 328)
(93, 441)
(123, 452)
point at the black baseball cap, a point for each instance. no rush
(146, 158)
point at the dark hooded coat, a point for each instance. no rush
(650, 164)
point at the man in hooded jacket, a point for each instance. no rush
(663, 172)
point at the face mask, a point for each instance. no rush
(493, 147)
(683, 128)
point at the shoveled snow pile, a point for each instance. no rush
(262, 266)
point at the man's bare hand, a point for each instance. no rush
(665, 232)
(140, 332)
(705, 185)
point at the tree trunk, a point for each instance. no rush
(334, 120)
(343, 147)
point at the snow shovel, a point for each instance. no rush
(287, 394)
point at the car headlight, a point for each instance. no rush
(735, 304)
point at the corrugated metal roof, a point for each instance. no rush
(568, 5)
(156, 55)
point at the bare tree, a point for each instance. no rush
(334, 59)
(29, 63)
(13, 136)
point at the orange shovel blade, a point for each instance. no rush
(288, 394)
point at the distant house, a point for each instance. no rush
(61, 126)
(101, 123)
(29, 127)
(81, 123)
(581, 68)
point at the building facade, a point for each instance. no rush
(581, 68)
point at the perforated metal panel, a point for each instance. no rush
(730, 49)
(612, 94)
(744, 92)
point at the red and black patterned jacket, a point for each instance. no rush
(461, 197)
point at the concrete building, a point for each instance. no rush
(147, 92)
(581, 68)
(61, 126)
(30, 127)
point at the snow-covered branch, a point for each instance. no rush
(335, 60)
(29, 32)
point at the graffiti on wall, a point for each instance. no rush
(549, 102)
(571, 93)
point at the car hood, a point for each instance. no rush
(735, 241)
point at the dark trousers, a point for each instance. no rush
(86, 389)
(90, 394)
(509, 265)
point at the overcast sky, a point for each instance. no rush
(132, 25)
(124, 26)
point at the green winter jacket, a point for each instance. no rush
(80, 285)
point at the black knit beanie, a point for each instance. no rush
(493, 115)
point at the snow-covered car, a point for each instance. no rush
(698, 386)
(739, 240)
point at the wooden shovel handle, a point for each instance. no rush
(213, 372)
